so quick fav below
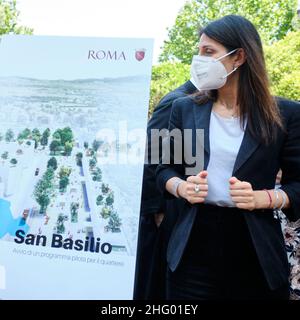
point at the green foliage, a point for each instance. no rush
(283, 63)
(74, 211)
(44, 190)
(104, 188)
(114, 222)
(64, 172)
(79, 157)
(166, 77)
(273, 19)
(97, 175)
(63, 183)
(13, 161)
(92, 163)
(99, 200)
(9, 136)
(9, 18)
(110, 199)
(52, 163)
(60, 227)
(24, 134)
(4, 155)
(105, 212)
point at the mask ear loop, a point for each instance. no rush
(228, 74)
(227, 54)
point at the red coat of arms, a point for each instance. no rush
(140, 54)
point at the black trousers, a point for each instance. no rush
(220, 261)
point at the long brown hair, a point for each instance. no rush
(254, 98)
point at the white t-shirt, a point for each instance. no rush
(225, 135)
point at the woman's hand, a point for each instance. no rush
(242, 194)
(195, 188)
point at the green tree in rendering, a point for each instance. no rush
(110, 199)
(79, 157)
(85, 145)
(105, 212)
(9, 135)
(25, 134)
(4, 155)
(97, 175)
(96, 145)
(68, 148)
(114, 222)
(43, 190)
(63, 183)
(64, 172)
(60, 227)
(13, 161)
(99, 200)
(92, 163)
(74, 211)
(52, 163)
(104, 188)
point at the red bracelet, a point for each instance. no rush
(270, 198)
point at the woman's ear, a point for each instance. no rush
(240, 57)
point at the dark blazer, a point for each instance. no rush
(255, 163)
(152, 200)
(152, 241)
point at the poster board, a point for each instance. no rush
(73, 116)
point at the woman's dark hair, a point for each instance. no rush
(254, 97)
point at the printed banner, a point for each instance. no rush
(73, 116)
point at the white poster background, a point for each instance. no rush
(99, 89)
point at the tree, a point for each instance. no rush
(35, 134)
(64, 172)
(68, 148)
(74, 211)
(44, 140)
(9, 136)
(97, 174)
(99, 200)
(13, 161)
(92, 163)
(273, 19)
(24, 134)
(4, 155)
(52, 163)
(54, 145)
(166, 77)
(79, 157)
(44, 189)
(104, 188)
(1, 137)
(9, 18)
(283, 64)
(63, 183)
(86, 145)
(114, 222)
(105, 212)
(110, 199)
(97, 144)
(60, 227)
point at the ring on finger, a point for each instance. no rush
(197, 188)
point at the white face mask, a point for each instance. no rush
(209, 73)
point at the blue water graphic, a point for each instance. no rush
(7, 223)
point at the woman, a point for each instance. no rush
(226, 243)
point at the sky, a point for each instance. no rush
(102, 18)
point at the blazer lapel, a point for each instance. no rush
(248, 146)
(202, 119)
